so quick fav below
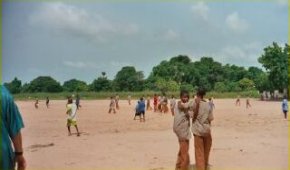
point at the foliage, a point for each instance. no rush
(14, 86)
(75, 85)
(128, 79)
(275, 61)
(44, 84)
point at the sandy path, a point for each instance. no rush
(255, 138)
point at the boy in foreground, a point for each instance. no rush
(71, 112)
(181, 128)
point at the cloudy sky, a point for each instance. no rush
(80, 40)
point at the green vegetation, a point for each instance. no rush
(124, 95)
(169, 77)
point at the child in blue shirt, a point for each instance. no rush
(285, 107)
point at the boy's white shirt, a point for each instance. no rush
(73, 111)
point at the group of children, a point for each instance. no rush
(36, 104)
(238, 102)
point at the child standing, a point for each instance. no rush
(36, 103)
(112, 105)
(155, 102)
(181, 128)
(285, 107)
(248, 103)
(71, 112)
(238, 101)
(141, 109)
(201, 129)
(47, 102)
(78, 101)
(117, 101)
(211, 104)
(172, 104)
(148, 105)
(129, 99)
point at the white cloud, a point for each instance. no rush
(235, 23)
(201, 10)
(170, 35)
(69, 18)
(246, 55)
(80, 64)
(282, 2)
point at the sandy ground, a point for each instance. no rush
(255, 138)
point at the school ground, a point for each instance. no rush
(255, 138)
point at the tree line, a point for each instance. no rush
(178, 73)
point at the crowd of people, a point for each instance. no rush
(192, 117)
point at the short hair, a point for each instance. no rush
(69, 100)
(141, 98)
(201, 91)
(184, 92)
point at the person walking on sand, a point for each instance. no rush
(181, 127)
(11, 125)
(238, 101)
(248, 105)
(117, 101)
(211, 104)
(172, 104)
(201, 129)
(148, 104)
(47, 102)
(36, 103)
(112, 105)
(155, 102)
(129, 99)
(285, 107)
(141, 109)
(71, 113)
(78, 100)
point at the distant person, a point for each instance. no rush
(36, 103)
(129, 100)
(181, 127)
(148, 104)
(78, 100)
(164, 105)
(112, 105)
(248, 104)
(47, 102)
(141, 109)
(285, 107)
(159, 106)
(172, 104)
(137, 113)
(155, 102)
(71, 113)
(11, 125)
(238, 101)
(211, 104)
(201, 129)
(117, 101)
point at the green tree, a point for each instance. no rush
(14, 86)
(128, 79)
(165, 86)
(75, 85)
(274, 59)
(220, 87)
(44, 84)
(246, 84)
(101, 84)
